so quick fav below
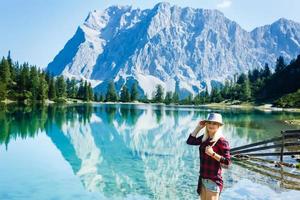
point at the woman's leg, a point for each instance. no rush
(211, 195)
(203, 193)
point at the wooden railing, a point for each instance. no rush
(285, 135)
(247, 157)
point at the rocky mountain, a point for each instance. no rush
(183, 49)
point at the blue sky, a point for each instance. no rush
(36, 30)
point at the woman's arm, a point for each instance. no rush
(224, 158)
(192, 140)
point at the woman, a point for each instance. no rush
(214, 153)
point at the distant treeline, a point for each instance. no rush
(28, 83)
(282, 88)
(24, 82)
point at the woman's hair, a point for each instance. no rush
(217, 135)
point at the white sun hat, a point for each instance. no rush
(214, 117)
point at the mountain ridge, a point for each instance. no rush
(183, 49)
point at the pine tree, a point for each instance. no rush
(175, 97)
(125, 96)
(215, 95)
(206, 97)
(168, 98)
(23, 83)
(225, 90)
(188, 99)
(134, 92)
(74, 88)
(86, 91)
(3, 92)
(111, 94)
(42, 88)
(255, 75)
(60, 87)
(80, 93)
(34, 83)
(197, 99)
(90, 92)
(5, 72)
(68, 87)
(158, 96)
(11, 67)
(246, 90)
(280, 65)
(96, 97)
(47, 77)
(202, 98)
(241, 79)
(52, 90)
(4, 78)
(101, 98)
(145, 98)
(9, 60)
(266, 72)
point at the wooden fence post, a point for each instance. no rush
(282, 146)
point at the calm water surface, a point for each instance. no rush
(125, 152)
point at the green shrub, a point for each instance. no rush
(289, 100)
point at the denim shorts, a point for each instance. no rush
(210, 185)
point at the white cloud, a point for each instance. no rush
(224, 4)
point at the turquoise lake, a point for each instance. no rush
(125, 151)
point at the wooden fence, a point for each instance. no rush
(248, 156)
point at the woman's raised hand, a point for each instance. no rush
(202, 124)
(199, 126)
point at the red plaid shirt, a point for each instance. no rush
(210, 168)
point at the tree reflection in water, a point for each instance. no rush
(120, 150)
